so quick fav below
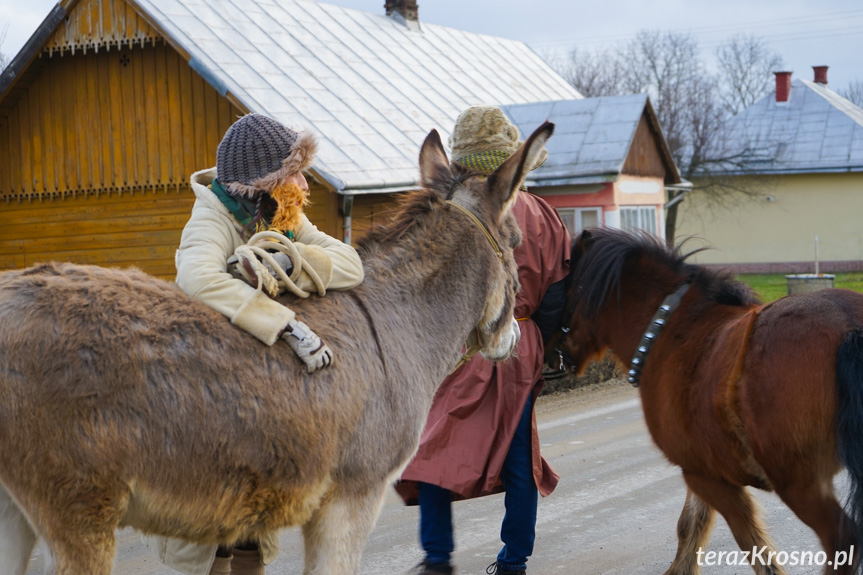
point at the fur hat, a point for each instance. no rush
(483, 130)
(258, 153)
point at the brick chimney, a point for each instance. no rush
(783, 86)
(820, 74)
(407, 9)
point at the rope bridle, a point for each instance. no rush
(474, 340)
(481, 226)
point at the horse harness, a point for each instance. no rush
(474, 341)
(654, 328)
(666, 308)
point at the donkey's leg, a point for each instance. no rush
(78, 523)
(17, 538)
(743, 517)
(337, 532)
(816, 505)
(84, 552)
(693, 532)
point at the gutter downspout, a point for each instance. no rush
(347, 210)
(682, 188)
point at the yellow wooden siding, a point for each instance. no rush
(132, 119)
(97, 146)
(141, 230)
(644, 158)
(323, 210)
(96, 154)
(370, 210)
(93, 25)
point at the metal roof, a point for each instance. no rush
(369, 86)
(592, 137)
(816, 130)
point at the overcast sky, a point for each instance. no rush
(804, 32)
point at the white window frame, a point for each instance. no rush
(574, 218)
(639, 218)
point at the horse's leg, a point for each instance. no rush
(816, 505)
(17, 538)
(337, 532)
(693, 531)
(743, 517)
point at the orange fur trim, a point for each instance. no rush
(291, 199)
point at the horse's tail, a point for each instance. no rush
(849, 423)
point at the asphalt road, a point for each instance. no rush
(614, 511)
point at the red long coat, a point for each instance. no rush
(476, 409)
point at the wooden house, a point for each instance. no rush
(608, 163)
(112, 104)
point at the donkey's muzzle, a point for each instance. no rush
(506, 345)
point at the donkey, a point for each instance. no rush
(125, 403)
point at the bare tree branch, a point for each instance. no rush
(746, 65)
(4, 59)
(592, 73)
(692, 106)
(854, 92)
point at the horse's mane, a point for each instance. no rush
(599, 270)
(414, 206)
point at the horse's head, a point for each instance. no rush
(617, 281)
(482, 204)
(576, 344)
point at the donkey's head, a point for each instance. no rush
(483, 204)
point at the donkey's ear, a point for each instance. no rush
(506, 180)
(435, 172)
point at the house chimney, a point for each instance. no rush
(783, 86)
(407, 9)
(820, 74)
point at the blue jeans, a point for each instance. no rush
(518, 530)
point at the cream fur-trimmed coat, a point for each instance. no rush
(209, 239)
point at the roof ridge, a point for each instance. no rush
(370, 107)
(836, 100)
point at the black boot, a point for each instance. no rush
(426, 568)
(496, 569)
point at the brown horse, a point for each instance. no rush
(124, 402)
(735, 393)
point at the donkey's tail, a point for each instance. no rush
(849, 424)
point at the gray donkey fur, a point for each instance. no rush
(125, 403)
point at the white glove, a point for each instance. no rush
(307, 345)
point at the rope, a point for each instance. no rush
(253, 254)
(484, 229)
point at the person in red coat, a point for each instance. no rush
(481, 436)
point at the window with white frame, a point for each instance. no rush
(638, 218)
(576, 219)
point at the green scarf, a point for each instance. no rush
(485, 162)
(243, 211)
(242, 208)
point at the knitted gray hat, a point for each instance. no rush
(257, 153)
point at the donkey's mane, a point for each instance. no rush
(414, 206)
(600, 268)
